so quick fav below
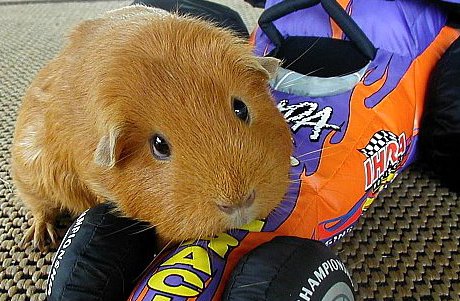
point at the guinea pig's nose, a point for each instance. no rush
(245, 203)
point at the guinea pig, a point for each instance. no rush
(169, 117)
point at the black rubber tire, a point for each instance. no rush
(440, 126)
(290, 268)
(100, 258)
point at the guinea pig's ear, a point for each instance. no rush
(268, 65)
(108, 149)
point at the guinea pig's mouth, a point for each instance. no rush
(241, 217)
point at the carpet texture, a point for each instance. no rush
(406, 247)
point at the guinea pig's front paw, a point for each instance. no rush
(40, 233)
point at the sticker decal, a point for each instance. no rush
(306, 114)
(384, 152)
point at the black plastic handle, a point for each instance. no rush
(333, 9)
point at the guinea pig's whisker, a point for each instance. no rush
(292, 82)
(203, 236)
(303, 53)
(293, 173)
(180, 244)
(316, 158)
(122, 229)
(293, 176)
(283, 210)
(146, 228)
(145, 269)
(153, 260)
(252, 284)
(165, 247)
(282, 215)
(289, 198)
(280, 209)
(200, 237)
(315, 151)
(295, 181)
(277, 213)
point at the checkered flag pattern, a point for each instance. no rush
(377, 142)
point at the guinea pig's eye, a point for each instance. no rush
(240, 109)
(160, 147)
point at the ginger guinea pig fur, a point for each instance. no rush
(168, 117)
